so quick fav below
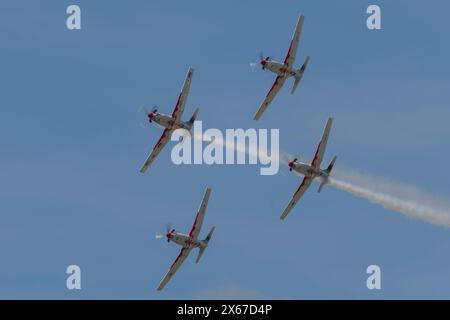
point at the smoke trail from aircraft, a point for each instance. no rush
(231, 145)
(408, 200)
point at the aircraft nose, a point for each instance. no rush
(263, 62)
(291, 164)
(168, 235)
(150, 115)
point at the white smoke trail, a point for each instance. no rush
(230, 145)
(411, 201)
(406, 199)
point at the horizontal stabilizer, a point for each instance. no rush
(304, 65)
(327, 171)
(296, 82)
(299, 74)
(208, 237)
(331, 165)
(205, 242)
(193, 117)
(200, 253)
(322, 184)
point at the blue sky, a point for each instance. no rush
(72, 144)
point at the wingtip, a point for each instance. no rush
(330, 120)
(283, 215)
(143, 170)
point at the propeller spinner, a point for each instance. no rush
(292, 163)
(262, 61)
(169, 233)
(151, 114)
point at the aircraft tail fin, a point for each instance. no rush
(331, 165)
(328, 171)
(296, 82)
(205, 244)
(193, 118)
(299, 74)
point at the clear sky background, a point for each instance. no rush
(71, 146)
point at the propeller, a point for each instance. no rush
(292, 163)
(151, 114)
(169, 230)
(148, 114)
(140, 110)
(284, 158)
(288, 160)
(262, 61)
(261, 55)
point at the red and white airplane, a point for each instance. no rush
(283, 70)
(170, 122)
(188, 241)
(311, 171)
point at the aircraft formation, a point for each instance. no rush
(309, 171)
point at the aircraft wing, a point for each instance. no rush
(196, 227)
(292, 52)
(296, 196)
(175, 265)
(179, 107)
(165, 137)
(279, 81)
(318, 157)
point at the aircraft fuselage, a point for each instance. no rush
(308, 170)
(166, 121)
(279, 69)
(184, 239)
